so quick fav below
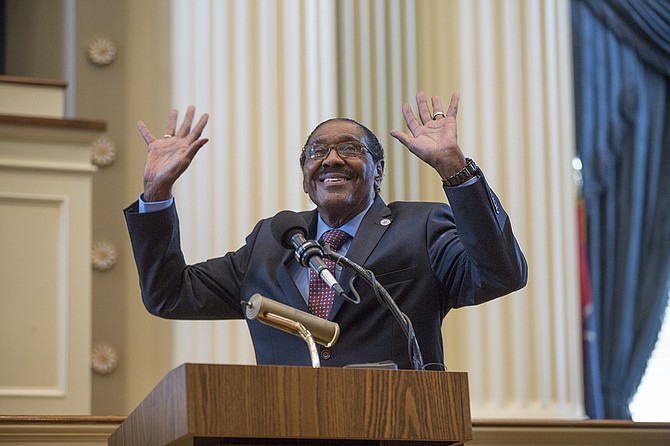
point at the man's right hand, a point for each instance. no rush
(170, 156)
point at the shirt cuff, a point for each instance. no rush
(467, 182)
(153, 206)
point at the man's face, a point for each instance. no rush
(341, 187)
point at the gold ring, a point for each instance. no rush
(436, 114)
(167, 136)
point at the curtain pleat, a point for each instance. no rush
(621, 109)
(642, 25)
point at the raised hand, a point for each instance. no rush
(433, 139)
(168, 157)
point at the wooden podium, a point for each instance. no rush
(204, 404)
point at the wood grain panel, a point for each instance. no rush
(201, 401)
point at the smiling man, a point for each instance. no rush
(342, 166)
(430, 257)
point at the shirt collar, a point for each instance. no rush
(350, 227)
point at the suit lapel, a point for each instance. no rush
(289, 289)
(372, 228)
(289, 267)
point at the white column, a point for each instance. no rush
(265, 71)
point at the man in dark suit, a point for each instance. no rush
(430, 257)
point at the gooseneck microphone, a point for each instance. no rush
(290, 230)
(289, 319)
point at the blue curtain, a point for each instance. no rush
(622, 79)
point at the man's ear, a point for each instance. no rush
(379, 174)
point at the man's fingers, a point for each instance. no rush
(185, 127)
(194, 148)
(404, 138)
(453, 105)
(172, 122)
(424, 112)
(199, 127)
(437, 107)
(410, 119)
(144, 131)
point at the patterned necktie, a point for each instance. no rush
(321, 296)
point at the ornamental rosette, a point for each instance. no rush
(103, 152)
(103, 358)
(103, 255)
(101, 51)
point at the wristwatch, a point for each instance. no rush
(469, 171)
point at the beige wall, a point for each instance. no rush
(133, 87)
(34, 38)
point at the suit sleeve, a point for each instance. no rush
(171, 288)
(482, 260)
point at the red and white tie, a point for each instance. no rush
(321, 296)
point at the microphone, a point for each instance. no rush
(290, 230)
(291, 320)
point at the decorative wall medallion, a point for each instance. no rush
(103, 358)
(101, 51)
(103, 255)
(103, 152)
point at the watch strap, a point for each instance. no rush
(469, 171)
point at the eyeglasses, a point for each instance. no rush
(347, 149)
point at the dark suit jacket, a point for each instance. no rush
(426, 263)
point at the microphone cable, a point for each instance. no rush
(385, 300)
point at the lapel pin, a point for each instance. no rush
(385, 222)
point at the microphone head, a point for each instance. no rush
(287, 318)
(285, 225)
